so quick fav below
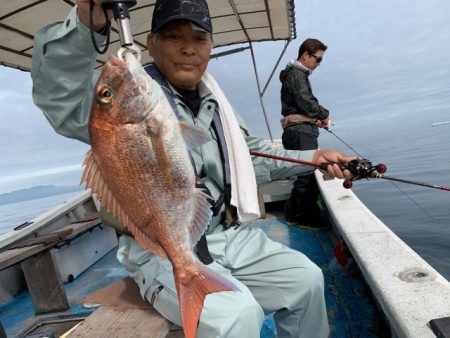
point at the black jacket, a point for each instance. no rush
(297, 96)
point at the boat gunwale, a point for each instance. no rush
(409, 291)
(43, 220)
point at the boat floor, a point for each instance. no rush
(351, 309)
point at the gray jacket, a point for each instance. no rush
(63, 80)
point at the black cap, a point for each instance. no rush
(195, 11)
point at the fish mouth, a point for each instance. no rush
(115, 62)
(114, 65)
(128, 61)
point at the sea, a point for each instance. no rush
(411, 137)
(414, 145)
(15, 214)
(418, 151)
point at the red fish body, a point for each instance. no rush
(140, 170)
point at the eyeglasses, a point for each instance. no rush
(318, 58)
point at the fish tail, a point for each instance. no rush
(192, 289)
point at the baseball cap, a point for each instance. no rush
(196, 11)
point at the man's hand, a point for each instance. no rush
(99, 20)
(323, 123)
(333, 156)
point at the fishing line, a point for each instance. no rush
(391, 179)
(414, 201)
(348, 146)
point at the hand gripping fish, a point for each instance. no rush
(140, 170)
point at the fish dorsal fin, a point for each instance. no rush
(94, 180)
(193, 136)
(201, 217)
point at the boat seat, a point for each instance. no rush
(121, 312)
(41, 272)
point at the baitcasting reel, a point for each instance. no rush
(362, 168)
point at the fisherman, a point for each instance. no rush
(302, 117)
(272, 278)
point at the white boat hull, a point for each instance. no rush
(409, 291)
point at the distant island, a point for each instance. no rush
(36, 192)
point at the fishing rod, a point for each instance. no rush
(375, 174)
(440, 187)
(360, 168)
(392, 179)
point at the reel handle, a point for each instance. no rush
(360, 168)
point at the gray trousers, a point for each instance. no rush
(271, 276)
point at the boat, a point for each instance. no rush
(56, 268)
(87, 266)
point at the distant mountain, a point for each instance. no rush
(35, 192)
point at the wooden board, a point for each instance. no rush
(14, 256)
(123, 313)
(44, 283)
(41, 272)
(122, 295)
(109, 322)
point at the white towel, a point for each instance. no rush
(244, 194)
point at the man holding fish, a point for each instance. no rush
(170, 162)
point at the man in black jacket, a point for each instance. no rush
(302, 116)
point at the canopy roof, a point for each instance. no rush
(234, 21)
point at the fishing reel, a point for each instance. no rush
(362, 168)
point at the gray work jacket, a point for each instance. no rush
(63, 79)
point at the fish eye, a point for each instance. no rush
(105, 95)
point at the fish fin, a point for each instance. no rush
(91, 173)
(94, 180)
(201, 216)
(192, 290)
(145, 241)
(193, 136)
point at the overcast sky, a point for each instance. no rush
(378, 51)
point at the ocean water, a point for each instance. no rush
(411, 146)
(418, 151)
(14, 214)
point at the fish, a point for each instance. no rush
(140, 170)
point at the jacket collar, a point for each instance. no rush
(297, 64)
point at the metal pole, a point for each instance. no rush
(286, 44)
(259, 93)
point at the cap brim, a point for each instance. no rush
(200, 26)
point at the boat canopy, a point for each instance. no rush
(234, 22)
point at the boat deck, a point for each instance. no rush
(351, 308)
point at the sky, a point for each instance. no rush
(377, 51)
